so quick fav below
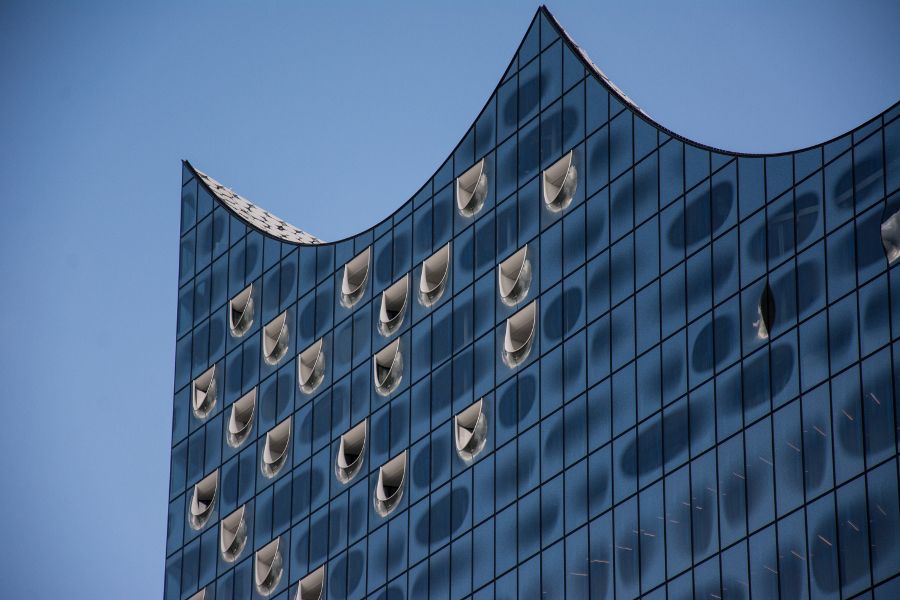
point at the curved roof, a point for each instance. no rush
(269, 224)
(253, 215)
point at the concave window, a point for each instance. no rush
(389, 490)
(203, 393)
(890, 237)
(765, 312)
(268, 567)
(514, 277)
(356, 274)
(233, 534)
(519, 336)
(240, 423)
(203, 500)
(312, 586)
(560, 181)
(311, 367)
(275, 451)
(471, 189)
(435, 272)
(393, 306)
(275, 339)
(350, 452)
(201, 595)
(240, 312)
(387, 365)
(470, 431)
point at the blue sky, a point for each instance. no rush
(360, 104)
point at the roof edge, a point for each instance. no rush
(250, 214)
(630, 103)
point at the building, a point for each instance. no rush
(589, 358)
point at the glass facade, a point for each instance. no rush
(588, 359)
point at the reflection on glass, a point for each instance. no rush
(433, 280)
(470, 431)
(312, 587)
(203, 393)
(890, 237)
(560, 180)
(268, 567)
(765, 311)
(519, 335)
(203, 500)
(311, 367)
(350, 452)
(514, 277)
(275, 450)
(393, 307)
(275, 339)
(240, 423)
(387, 366)
(471, 189)
(240, 312)
(233, 535)
(356, 274)
(389, 490)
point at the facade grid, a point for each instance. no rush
(702, 403)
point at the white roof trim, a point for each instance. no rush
(254, 216)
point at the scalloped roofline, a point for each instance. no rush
(268, 224)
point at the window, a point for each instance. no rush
(393, 307)
(387, 365)
(275, 339)
(240, 312)
(311, 367)
(433, 280)
(471, 189)
(514, 277)
(519, 335)
(470, 430)
(233, 535)
(356, 274)
(240, 423)
(204, 500)
(203, 393)
(560, 180)
(350, 452)
(276, 449)
(389, 491)
(268, 567)
(890, 237)
(312, 586)
(766, 313)
(201, 595)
